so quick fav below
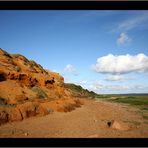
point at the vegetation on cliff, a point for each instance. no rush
(79, 91)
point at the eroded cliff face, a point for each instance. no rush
(26, 89)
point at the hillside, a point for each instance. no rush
(27, 89)
(79, 91)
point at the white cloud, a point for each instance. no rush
(117, 87)
(101, 88)
(119, 64)
(130, 88)
(115, 78)
(123, 39)
(111, 89)
(70, 69)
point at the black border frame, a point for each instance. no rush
(73, 142)
(73, 5)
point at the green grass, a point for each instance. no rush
(19, 55)
(145, 108)
(133, 100)
(145, 117)
(146, 122)
(4, 104)
(34, 64)
(40, 93)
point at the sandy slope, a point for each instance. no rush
(90, 120)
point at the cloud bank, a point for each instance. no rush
(120, 64)
(101, 88)
(115, 78)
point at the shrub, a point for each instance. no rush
(40, 93)
(5, 53)
(145, 107)
(20, 57)
(3, 103)
(145, 117)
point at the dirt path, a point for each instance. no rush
(90, 120)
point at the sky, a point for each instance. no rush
(105, 51)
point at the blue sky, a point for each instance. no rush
(104, 51)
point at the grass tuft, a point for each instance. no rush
(145, 117)
(40, 93)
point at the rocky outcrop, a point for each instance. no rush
(27, 89)
(31, 80)
(30, 109)
(22, 111)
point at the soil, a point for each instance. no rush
(88, 121)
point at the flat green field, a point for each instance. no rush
(139, 101)
(133, 100)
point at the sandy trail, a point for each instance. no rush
(90, 120)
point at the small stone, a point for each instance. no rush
(26, 134)
(95, 120)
